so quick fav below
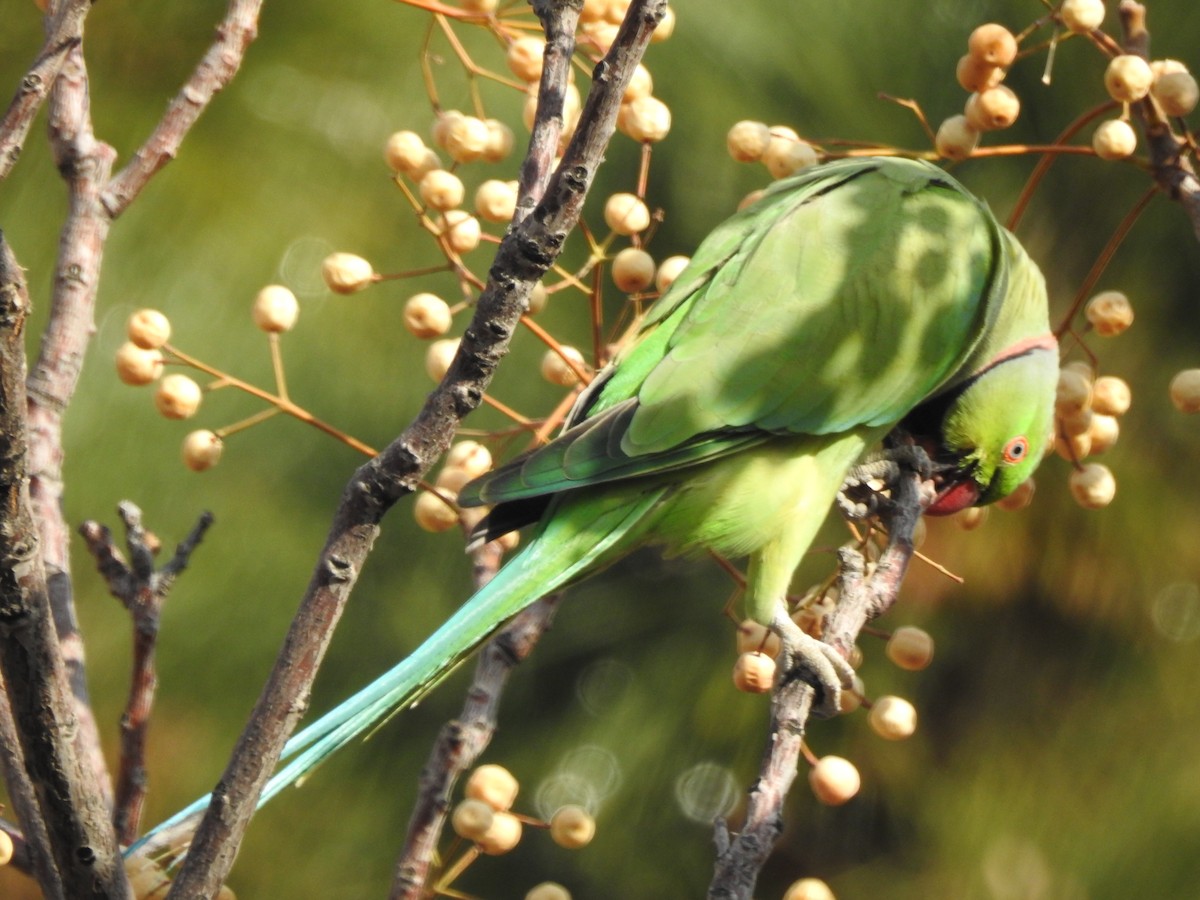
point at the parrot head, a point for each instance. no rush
(986, 435)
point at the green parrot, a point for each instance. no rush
(861, 300)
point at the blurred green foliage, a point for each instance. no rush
(1056, 757)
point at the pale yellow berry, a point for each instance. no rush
(538, 298)
(1093, 486)
(754, 673)
(433, 513)
(451, 480)
(975, 75)
(1114, 139)
(524, 57)
(471, 456)
(665, 27)
(1185, 390)
(1074, 393)
(808, 889)
(503, 835)
(633, 270)
(466, 139)
(556, 370)
(177, 397)
(441, 125)
(461, 230)
(6, 848)
(499, 142)
(626, 214)
(496, 200)
(1161, 67)
(747, 140)
(646, 119)
(1176, 92)
(834, 780)
(1076, 422)
(572, 104)
(1083, 367)
(136, 365)
(641, 84)
(592, 11)
(668, 270)
(893, 718)
(1111, 395)
(441, 189)
(494, 785)
(572, 827)
(471, 819)
(148, 328)
(427, 315)
(851, 698)
(404, 152)
(345, 273)
(1073, 447)
(275, 309)
(1082, 16)
(225, 893)
(614, 11)
(956, 138)
(428, 163)
(1128, 78)
(753, 637)
(439, 356)
(992, 108)
(1103, 431)
(548, 890)
(201, 450)
(971, 518)
(785, 156)
(1110, 313)
(992, 44)
(1021, 496)
(910, 648)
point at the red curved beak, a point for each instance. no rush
(957, 495)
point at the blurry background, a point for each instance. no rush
(1058, 750)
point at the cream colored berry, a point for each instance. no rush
(496, 200)
(808, 889)
(1082, 16)
(499, 142)
(276, 309)
(439, 356)
(1073, 447)
(665, 27)
(427, 315)
(1093, 486)
(1103, 430)
(754, 673)
(470, 456)
(956, 138)
(465, 139)
(503, 835)
(137, 365)
(1083, 367)
(178, 396)
(614, 11)
(201, 450)
(851, 698)
(626, 214)
(471, 819)
(345, 273)
(556, 370)
(1128, 78)
(1176, 92)
(538, 298)
(646, 119)
(975, 75)
(747, 140)
(1076, 422)
(1114, 139)
(1110, 313)
(524, 57)
(440, 189)
(6, 848)
(1185, 390)
(834, 780)
(451, 480)
(572, 104)
(404, 152)
(494, 785)
(641, 84)
(1161, 67)
(910, 648)
(428, 163)
(992, 44)
(785, 156)
(993, 108)
(971, 518)
(441, 125)
(1074, 393)
(633, 270)
(668, 270)
(461, 230)
(548, 890)
(753, 637)
(434, 513)
(1021, 496)
(572, 827)
(893, 718)
(148, 328)
(1111, 395)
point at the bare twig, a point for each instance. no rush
(524, 255)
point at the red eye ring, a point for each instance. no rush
(1016, 449)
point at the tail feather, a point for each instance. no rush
(566, 548)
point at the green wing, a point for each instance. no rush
(844, 297)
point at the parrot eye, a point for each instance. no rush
(1015, 450)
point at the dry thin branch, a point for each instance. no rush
(72, 807)
(524, 255)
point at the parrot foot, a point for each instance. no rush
(814, 662)
(863, 493)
